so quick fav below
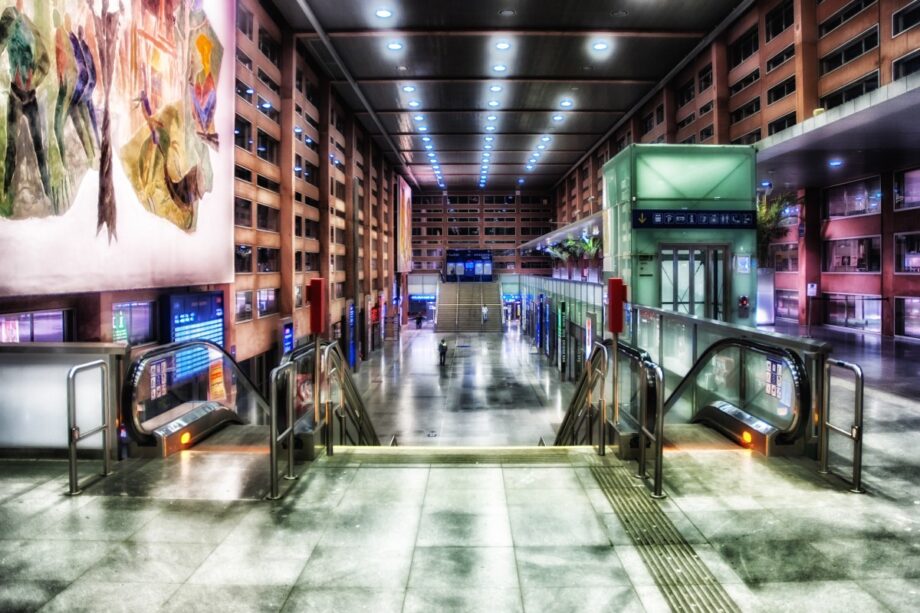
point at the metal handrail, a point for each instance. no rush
(651, 370)
(856, 429)
(287, 370)
(602, 372)
(73, 431)
(582, 400)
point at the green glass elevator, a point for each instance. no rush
(680, 228)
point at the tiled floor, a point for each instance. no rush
(359, 532)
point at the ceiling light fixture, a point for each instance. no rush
(489, 139)
(546, 139)
(558, 117)
(408, 88)
(835, 163)
(487, 146)
(426, 139)
(423, 128)
(491, 118)
(394, 45)
(384, 13)
(619, 13)
(506, 12)
(499, 68)
(541, 147)
(600, 46)
(414, 104)
(419, 118)
(566, 103)
(493, 103)
(402, 68)
(529, 167)
(495, 89)
(503, 46)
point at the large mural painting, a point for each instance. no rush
(117, 156)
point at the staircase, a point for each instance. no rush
(460, 307)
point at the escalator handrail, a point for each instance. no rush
(138, 366)
(355, 408)
(789, 357)
(581, 391)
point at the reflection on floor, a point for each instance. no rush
(494, 390)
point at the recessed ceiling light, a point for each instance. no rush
(491, 118)
(423, 128)
(520, 181)
(506, 12)
(414, 104)
(419, 118)
(566, 103)
(558, 117)
(541, 147)
(495, 89)
(835, 163)
(536, 154)
(499, 68)
(546, 139)
(429, 147)
(431, 154)
(487, 146)
(298, 130)
(486, 154)
(408, 88)
(600, 46)
(426, 139)
(619, 13)
(503, 46)
(493, 103)
(402, 68)
(394, 45)
(489, 139)
(529, 167)
(384, 13)
(490, 128)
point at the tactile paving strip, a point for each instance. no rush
(684, 580)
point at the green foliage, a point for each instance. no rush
(557, 252)
(590, 245)
(769, 218)
(573, 246)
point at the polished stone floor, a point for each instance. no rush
(434, 528)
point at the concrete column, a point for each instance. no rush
(325, 108)
(888, 230)
(720, 112)
(381, 219)
(352, 282)
(288, 274)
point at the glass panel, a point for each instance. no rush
(698, 282)
(907, 317)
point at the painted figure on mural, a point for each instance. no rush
(76, 73)
(29, 64)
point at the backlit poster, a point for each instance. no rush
(404, 226)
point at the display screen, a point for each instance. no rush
(188, 317)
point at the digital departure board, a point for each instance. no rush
(187, 317)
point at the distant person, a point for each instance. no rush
(442, 351)
(485, 314)
(418, 322)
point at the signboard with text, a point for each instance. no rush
(667, 218)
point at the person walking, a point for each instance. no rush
(418, 322)
(485, 314)
(442, 352)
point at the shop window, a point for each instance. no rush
(851, 92)
(134, 322)
(907, 65)
(905, 19)
(786, 304)
(268, 218)
(850, 51)
(785, 257)
(35, 327)
(856, 198)
(853, 255)
(907, 189)
(268, 259)
(743, 48)
(780, 58)
(244, 306)
(705, 78)
(907, 253)
(907, 317)
(858, 312)
(242, 258)
(268, 301)
(842, 16)
(242, 212)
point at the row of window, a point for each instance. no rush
(850, 255)
(864, 197)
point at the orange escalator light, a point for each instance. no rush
(746, 437)
(186, 437)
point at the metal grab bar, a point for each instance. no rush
(287, 370)
(602, 373)
(73, 431)
(856, 430)
(649, 369)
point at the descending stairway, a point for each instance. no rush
(460, 307)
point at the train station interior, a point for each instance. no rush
(500, 306)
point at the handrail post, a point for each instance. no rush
(286, 370)
(602, 435)
(858, 432)
(643, 418)
(292, 384)
(856, 429)
(73, 431)
(659, 433)
(823, 431)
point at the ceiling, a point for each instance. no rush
(572, 69)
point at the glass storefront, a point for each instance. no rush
(786, 304)
(907, 317)
(857, 312)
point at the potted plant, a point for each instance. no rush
(769, 229)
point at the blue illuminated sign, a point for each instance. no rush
(287, 337)
(351, 335)
(194, 317)
(511, 297)
(427, 297)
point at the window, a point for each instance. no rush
(746, 110)
(907, 189)
(267, 148)
(242, 212)
(907, 252)
(244, 306)
(338, 236)
(785, 257)
(659, 114)
(310, 228)
(745, 82)
(269, 47)
(907, 317)
(244, 91)
(244, 60)
(705, 78)
(786, 304)
(266, 183)
(134, 322)
(851, 91)
(706, 108)
(35, 327)
(780, 91)
(686, 121)
(267, 109)
(242, 173)
(242, 134)
(268, 218)
(339, 290)
(860, 312)
(779, 19)
(298, 261)
(310, 143)
(269, 82)
(786, 121)
(853, 255)
(743, 48)
(690, 140)
(268, 259)
(499, 231)
(298, 225)
(310, 262)
(298, 296)
(339, 263)
(268, 301)
(339, 190)
(842, 16)
(856, 198)
(685, 93)
(706, 133)
(780, 58)
(906, 18)
(850, 51)
(311, 174)
(243, 259)
(647, 124)
(748, 139)
(907, 65)
(244, 21)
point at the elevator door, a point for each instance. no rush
(694, 279)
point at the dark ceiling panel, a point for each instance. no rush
(506, 122)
